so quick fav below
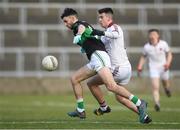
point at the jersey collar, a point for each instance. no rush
(74, 25)
(156, 44)
(110, 24)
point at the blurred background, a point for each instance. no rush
(32, 29)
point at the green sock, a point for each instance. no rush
(135, 100)
(80, 105)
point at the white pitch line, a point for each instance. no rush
(84, 122)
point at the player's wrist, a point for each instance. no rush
(139, 69)
(107, 34)
(98, 32)
(166, 66)
(77, 39)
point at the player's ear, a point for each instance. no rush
(73, 17)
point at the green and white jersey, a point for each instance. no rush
(88, 41)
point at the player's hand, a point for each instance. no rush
(82, 50)
(97, 32)
(139, 71)
(76, 39)
(166, 67)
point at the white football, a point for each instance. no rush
(50, 63)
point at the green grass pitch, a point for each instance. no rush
(49, 112)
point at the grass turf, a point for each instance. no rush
(49, 112)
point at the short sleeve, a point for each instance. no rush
(144, 52)
(166, 47)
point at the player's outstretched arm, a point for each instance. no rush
(140, 65)
(112, 34)
(169, 60)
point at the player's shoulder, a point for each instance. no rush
(163, 43)
(83, 23)
(115, 27)
(147, 45)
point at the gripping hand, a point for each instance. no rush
(98, 32)
(82, 50)
(76, 39)
(139, 71)
(166, 67)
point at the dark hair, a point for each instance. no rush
(153, 30)
(105, 10)
(68, 12)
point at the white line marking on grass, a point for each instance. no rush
(84, 122)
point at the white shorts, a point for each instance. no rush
(99, 59)
(159, 73)
(122, 75)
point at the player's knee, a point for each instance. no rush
(89, 84)
(73, 79)
(156, 88)
(112, 87)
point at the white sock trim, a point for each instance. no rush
(138, 103)
(80, 100)
(131, 97)
(80, 110)
(104, 108)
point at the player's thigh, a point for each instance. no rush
(82, 74)
(94, 81)
(99, 59)
(106, 76)
(100, 62)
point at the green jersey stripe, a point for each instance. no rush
(100, 58)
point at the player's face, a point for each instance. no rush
(154, 37)
(103, 20)
(68, 21)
